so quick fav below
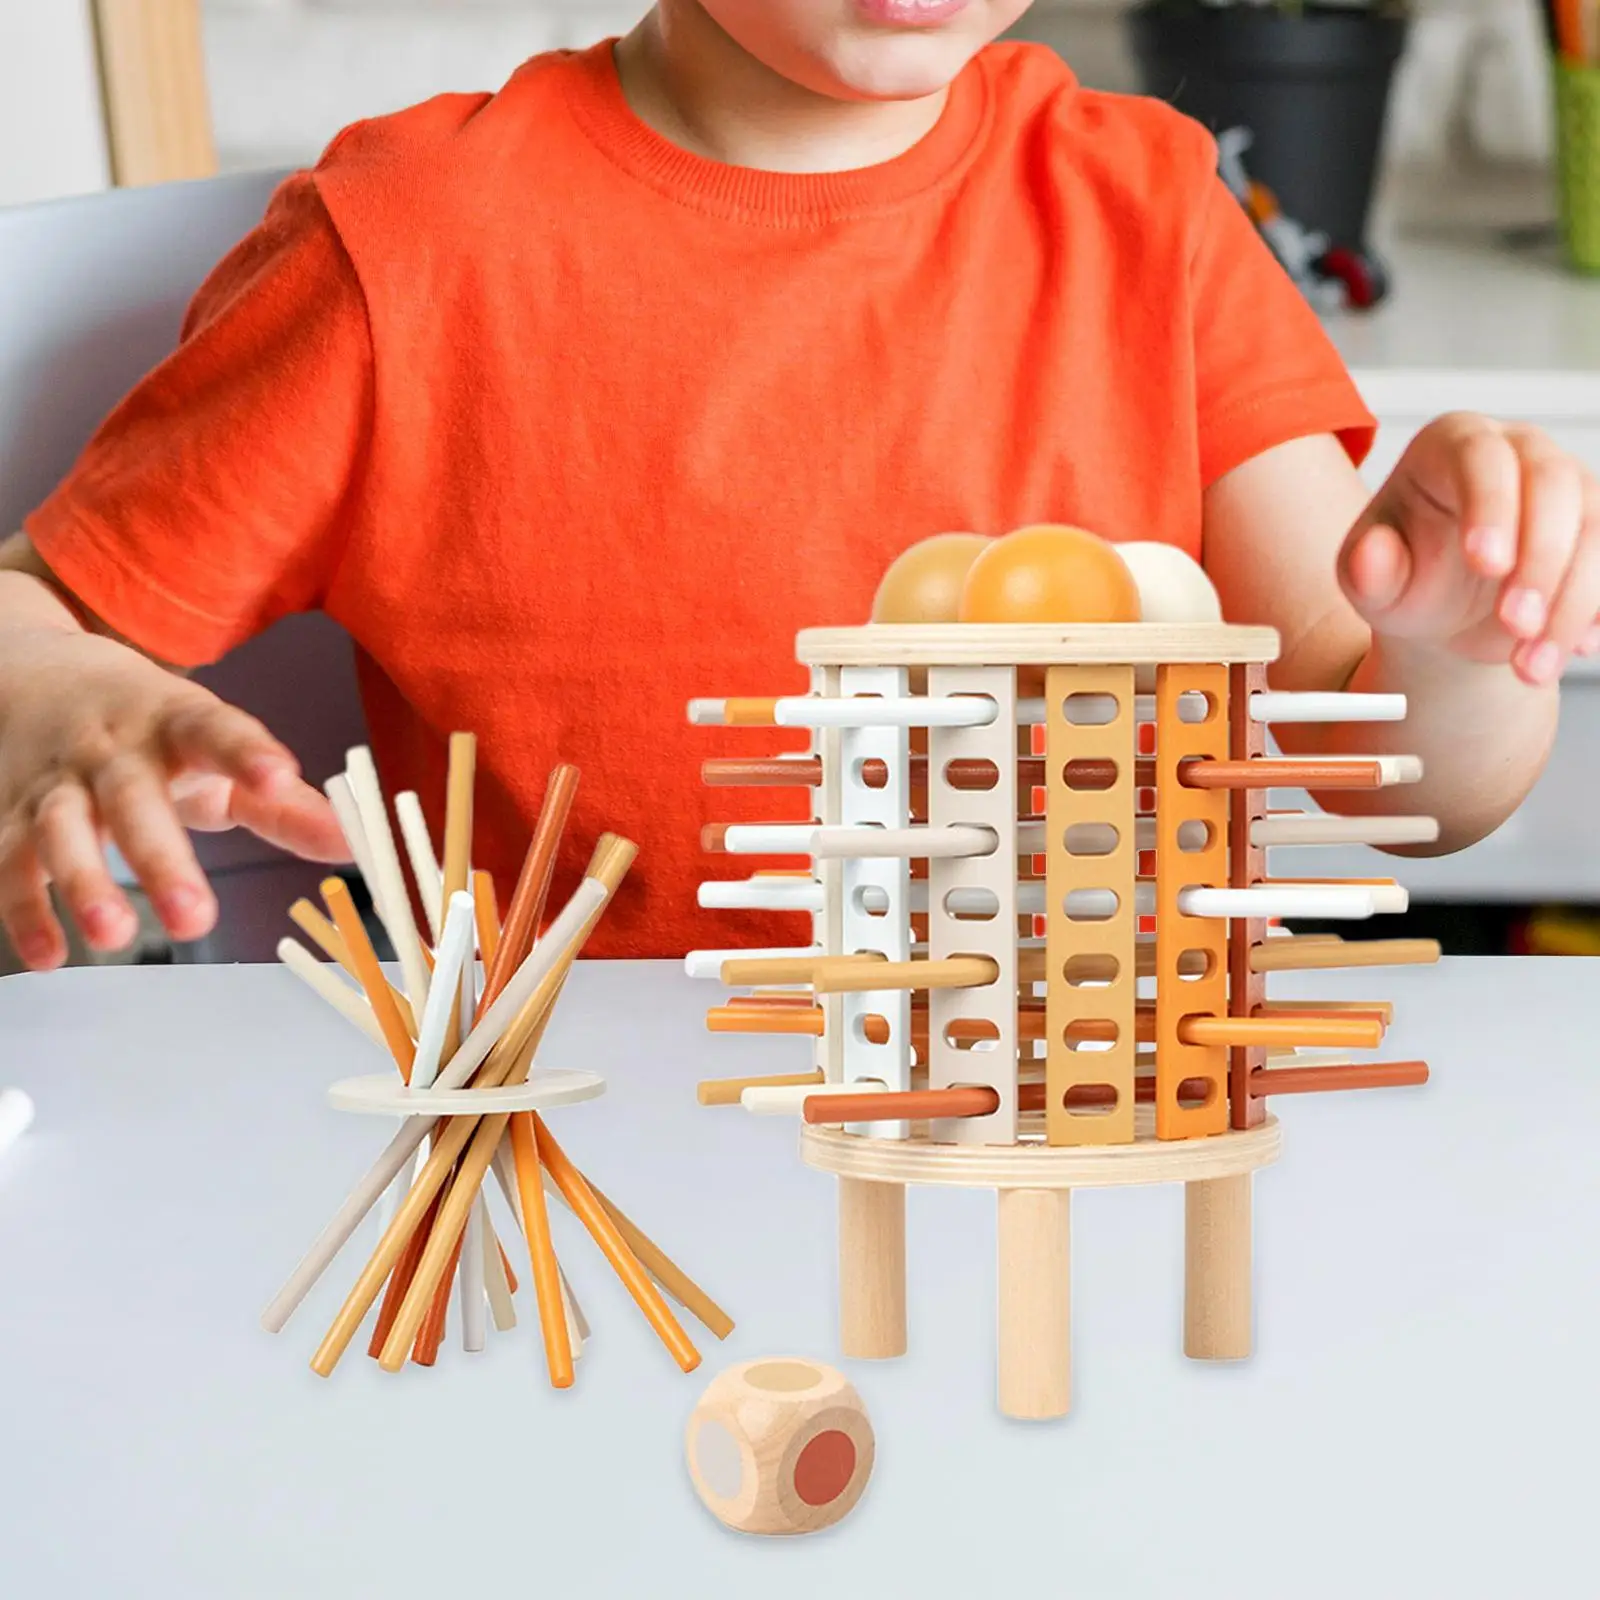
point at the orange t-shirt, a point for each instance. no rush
(567, 426)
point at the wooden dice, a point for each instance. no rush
(780, 1446)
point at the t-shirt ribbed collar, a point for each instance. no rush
(779, 198)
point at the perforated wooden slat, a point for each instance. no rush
(885, 1059)
(996, 937)
(1247, 864)
(1176, 869)
(1069, 1002)
(827, 924)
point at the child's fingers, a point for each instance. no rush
(68, 847)
(137, 811)
(1487, 472)
(1375, 570)
(25, 910)
(1552, 518)
(1576, 604)
(293, 816)
(208, 734)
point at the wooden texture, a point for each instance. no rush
(872, 1263)
(1104, 945)
(1216, 1295)
(1179, 1000)
(1035, 1294)
(152, 71)
(969, 644)
(780, 1447)
(1033, 1166)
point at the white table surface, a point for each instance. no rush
(1419, 1421)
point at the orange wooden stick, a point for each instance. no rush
(755, 1019)
(1265, 773)
(370, 975)
(541, 1252)
(1358, 1075)
(605, 1233)
(902, 1105)
(487, 916)
(533, 883)
(405, 1269)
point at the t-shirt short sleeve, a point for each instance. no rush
(1266, 371)
(210, 503)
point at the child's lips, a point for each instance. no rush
(911, 13)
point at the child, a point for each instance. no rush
(576, 400)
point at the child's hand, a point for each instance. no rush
(1486, 541)
(101, 745)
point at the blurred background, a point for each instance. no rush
(1431, 172)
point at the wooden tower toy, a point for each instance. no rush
(1041, 931)
(472, 1100)
(780, 1447)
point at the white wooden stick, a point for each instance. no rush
(789, 1101)
(343, 800)
(1327, 708)
(390, 886)
(455, 948)
(542, 960)
(501, 1306)
(760, 894)
(1309, 828)
(1349, 902)
(323, 981)
(424, 863)
(474, 1294)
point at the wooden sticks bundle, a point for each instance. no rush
(454, 1025)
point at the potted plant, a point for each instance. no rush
(1309, 82)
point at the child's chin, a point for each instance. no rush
(898, 69)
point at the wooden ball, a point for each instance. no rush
(1172, 585)
(780, 1446)
(1049, 574)
(923, 584)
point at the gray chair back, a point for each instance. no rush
(92, 296)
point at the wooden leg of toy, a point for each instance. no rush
(1035, 1256)
(1216, 1299)
(872, 1269)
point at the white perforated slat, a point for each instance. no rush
(996, 937)
(888, 934)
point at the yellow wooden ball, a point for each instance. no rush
(1049, 574)
(923, 584)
